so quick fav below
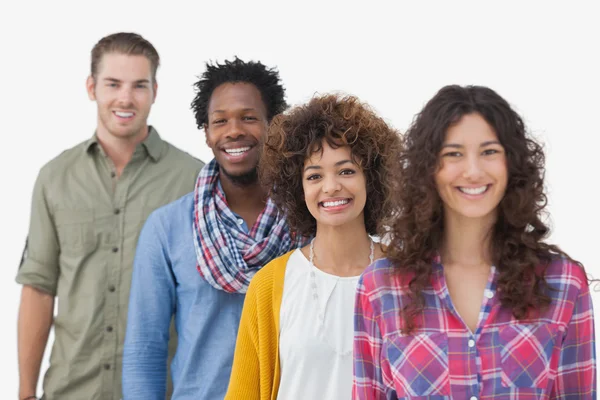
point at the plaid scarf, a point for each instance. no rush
(227, 256)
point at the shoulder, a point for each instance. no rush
(175, 214)
(379, 273)
(272, 274)
(382, 286)
(568, 290)
(565, 274)
(182, 158)
(66, 159)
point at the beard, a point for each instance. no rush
(245, 179)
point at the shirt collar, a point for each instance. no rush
(90, 144)
(153, 144)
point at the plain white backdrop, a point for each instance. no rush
(540, 56)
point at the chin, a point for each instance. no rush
(236, 170)
(125, 133)
(476, 214)
(246, 177)
(335, 221)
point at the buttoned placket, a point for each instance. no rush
(120, 189)
(471, 340)
(111, 304)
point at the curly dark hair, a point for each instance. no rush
(416, 232)
(265, 79)
(340, 121)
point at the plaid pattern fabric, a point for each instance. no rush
(227, 256)
(548, 356)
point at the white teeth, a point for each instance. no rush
(478, 190)
(123, 114)
(238, 151)
(335, 203)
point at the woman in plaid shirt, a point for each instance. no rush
(470, 302)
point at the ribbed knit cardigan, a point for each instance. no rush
(255, 371)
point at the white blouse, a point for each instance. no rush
(315, 357)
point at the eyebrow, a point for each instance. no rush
(243, 110)
(109, 79)
(337, 164)
(460, 146)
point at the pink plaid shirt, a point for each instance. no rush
(549, 356)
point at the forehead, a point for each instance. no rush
(329, 155)
(229, 97)
(124, 67)
(471, 128)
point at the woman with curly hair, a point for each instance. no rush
(326, 164)
(470, 302)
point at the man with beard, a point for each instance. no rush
(197, 255)
(89, 205)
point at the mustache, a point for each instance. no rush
(238, 142)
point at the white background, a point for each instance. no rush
(541, 56)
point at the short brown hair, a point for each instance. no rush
(125, 43)
(339, 121)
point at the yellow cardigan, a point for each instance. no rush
(255, 371)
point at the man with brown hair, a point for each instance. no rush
(89, 205)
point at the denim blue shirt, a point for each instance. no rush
(166, 282)
(243, 225)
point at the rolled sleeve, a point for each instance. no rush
(40, 267)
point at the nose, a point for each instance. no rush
(235, 129)
(125, 96)
(331, 184)
(473, 168)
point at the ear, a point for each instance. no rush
(90, 85)
(155, 90)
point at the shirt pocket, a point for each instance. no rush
(76, 231)
(526, 353)
(419, 365)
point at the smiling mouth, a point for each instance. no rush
(336, 203)
(123, 114)
(238, 151)
(474, 191)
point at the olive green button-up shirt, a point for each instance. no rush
(82, 238)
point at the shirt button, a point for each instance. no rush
(473, 398)
(106, 366)
(113, 174)
(109, 329)
(489, 294)
(111, 288)
(240, 221)
(117, 211)
(115, 249)
(471, 343)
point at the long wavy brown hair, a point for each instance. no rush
(517, 247)
(340, 121)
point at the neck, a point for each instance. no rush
(120, 149)
(467, 241)
(244, 199)
(342, 250)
